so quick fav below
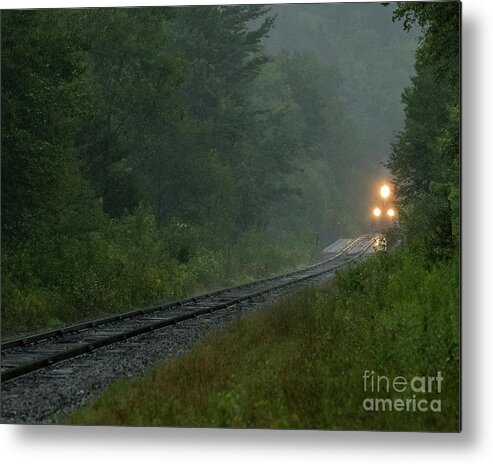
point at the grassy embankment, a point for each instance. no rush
(300, 363)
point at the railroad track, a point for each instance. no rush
(27, 354)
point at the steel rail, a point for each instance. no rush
(292, 277)
(41, 336)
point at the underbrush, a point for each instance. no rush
(301, 362)
(129, 263)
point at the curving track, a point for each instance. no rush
(24, 355)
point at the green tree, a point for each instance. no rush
(132, 79)
(425, 157)
(43, 103)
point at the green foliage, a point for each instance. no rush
(300, 363)
(151, 153)
(111, 266)
(42, 104)
(425, 158)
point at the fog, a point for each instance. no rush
(370, 60)
(373, 56)
(168, 150)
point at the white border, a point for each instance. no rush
(114, 3)
(126, 445)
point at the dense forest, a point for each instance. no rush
(151, 153)
(301, 363)
(425, 160)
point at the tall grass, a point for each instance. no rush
(300, 363)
